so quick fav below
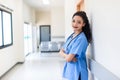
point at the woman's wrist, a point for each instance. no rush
(62, 53)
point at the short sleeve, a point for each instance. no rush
(78, 46)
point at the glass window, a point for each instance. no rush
(0, 30)
(7, 28)
(6, 36)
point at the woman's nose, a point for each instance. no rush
(75, 24)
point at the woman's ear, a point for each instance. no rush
(84, 24)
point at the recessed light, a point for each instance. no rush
(46, 2)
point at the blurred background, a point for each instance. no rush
(33, 31)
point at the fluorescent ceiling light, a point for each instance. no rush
(46, 2)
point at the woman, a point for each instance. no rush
(75, 48)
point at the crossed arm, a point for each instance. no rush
(67, 57)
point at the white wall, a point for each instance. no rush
(69, 11)
(58, 21)
(28, 13)
(43, 18)
(105, 16)
(15, 53)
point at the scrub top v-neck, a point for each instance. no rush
(77, 46)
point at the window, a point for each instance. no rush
(0, 30)
(6, 38)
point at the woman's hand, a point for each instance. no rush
(79, 5)
(62, 53)
(74, 59)
(68, 57)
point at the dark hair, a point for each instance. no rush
(86, 28)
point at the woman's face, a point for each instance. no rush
(77, 23)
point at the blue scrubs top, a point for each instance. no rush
(78, 45)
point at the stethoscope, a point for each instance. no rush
(71, 36)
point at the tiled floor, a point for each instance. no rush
(38, 66)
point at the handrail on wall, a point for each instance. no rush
(100, 72)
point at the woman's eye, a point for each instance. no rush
(79, 22)
(73, 21)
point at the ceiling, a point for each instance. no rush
(38, 4)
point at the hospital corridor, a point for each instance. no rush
(59, 40)
(37, 67)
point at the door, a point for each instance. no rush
(45, 33)
(27, 38)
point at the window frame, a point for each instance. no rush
(11, 29)
(1, 38)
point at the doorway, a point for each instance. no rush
(27, 38)
(45, 33)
